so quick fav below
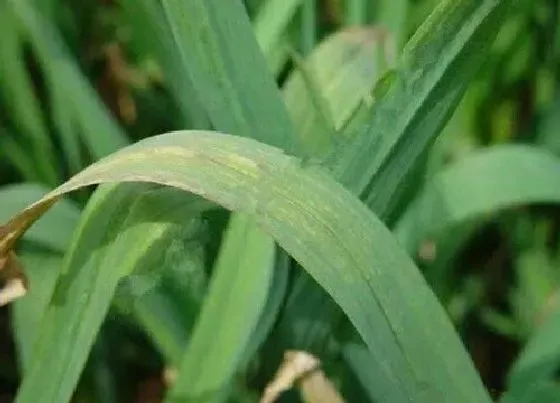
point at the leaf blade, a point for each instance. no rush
(304, 217)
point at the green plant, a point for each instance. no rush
(281, 219)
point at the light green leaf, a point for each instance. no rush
(270, 24)
(344, 247)
(167, 310)
(393, 15)
(482, 183)
(122, 242)
(344, 69)
(417, 98)
(236, 297)
(150, 28)
(76, 107)
(229, 72)
(18, 92)
(42, 269)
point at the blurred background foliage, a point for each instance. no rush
(79, 80)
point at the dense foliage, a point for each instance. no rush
(374, 183)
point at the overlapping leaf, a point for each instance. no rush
(343, 246)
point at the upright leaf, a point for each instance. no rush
(239, 286)
(228, 70)
(271, 21)
(417, 99)
(122, 239)
(150, 28)
(17, 91)
(76, 107)
(42, 269)
(345, 68)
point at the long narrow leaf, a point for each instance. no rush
(239, 287)
(148, 21)
(17, 90)
(480, 184)
(229, 71)
(271, 22)
(78, 105)
(418, 98)
(345, 68)
(122, 241)
(342, 245)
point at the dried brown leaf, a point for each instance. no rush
(303, 369)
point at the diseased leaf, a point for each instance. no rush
(54, 229)
(332, 235)
(240, 96)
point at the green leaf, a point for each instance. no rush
(457, 200)
(540, 392)
(344, 247)
(76, 107)
(122, 241)
(477, 185)
(344, 69)
(42, 269)
(168, 310)
(417, 98)
(547, 134)
(228, 70)
(393, 15)
(150, 28)
(232, 81)
(276, 295)
(270, 24)
(537, 280)
(540, 358)
(18, 92)
(356, 11)
(15, 153)
(308, 26)
(238, 290)
(377, 381)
